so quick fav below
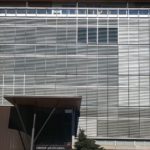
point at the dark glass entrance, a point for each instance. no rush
(58, 129)
(57, 132)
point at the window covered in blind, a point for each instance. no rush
(92, 35)
(82, 35)
(102, 35)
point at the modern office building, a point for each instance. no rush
(96, 49)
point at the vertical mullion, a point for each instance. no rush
(87, 31)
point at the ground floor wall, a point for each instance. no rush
(10, 139)
(124, 145)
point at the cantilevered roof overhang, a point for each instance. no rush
(45, 101)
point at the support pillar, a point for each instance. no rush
(73, 128)
(23, 126)
(43, 126)
(33, 132)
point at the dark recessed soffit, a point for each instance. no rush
(46, 101)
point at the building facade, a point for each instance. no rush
(101, 54)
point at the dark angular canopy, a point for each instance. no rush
(46, 101)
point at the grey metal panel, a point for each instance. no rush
(42, 56)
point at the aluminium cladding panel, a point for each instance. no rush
(134, 74)
(95, 58)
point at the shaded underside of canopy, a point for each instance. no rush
(45, 101)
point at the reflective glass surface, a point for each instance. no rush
(11, 11)
(31, 11)
(2, 11)
(21, 11)
(122, 12)
(133, 12)
(41, 11)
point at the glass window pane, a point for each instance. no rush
(72, 11)
(57, 11)
(113, 35)
(31, 11)
(92, 35)
(143, 12)
(65, 11)
(82, 11)
(113, 12)
(2, 11)
(41, 11)
(49, 11)
(122, 12)
(11, 11)
(21, 11)
(102, 11)
(82, 34)
(90, 11)
(102, 35)
(133, 12)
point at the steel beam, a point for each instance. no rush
(33, 132)
(44, 124)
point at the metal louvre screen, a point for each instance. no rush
(103, 59)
